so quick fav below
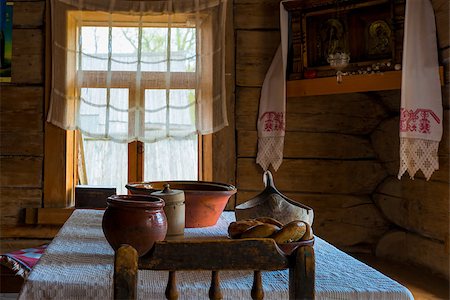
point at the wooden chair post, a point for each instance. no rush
(257, 288)
(171, 289)
(125, 273)
(214, 290)
(302, 274)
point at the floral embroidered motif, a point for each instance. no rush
(418, 120)
(273, 121)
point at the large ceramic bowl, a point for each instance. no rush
(204, 201)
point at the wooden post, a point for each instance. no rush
(214, 290)
(171, 289)
(125, 273)
(302, 274)
(257, 288)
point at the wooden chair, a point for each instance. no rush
(247, 254)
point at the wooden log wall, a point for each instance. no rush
(22, 128)
(341, 154)
(419, 209)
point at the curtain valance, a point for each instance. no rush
(138, 70)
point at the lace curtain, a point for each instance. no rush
(138, 70)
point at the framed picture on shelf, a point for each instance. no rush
(367, 32)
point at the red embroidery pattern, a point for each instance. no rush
(273, 121)
(417, 121)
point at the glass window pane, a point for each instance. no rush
(106, 163)
(182, 50)
(93, 111)
(171, 159)
(124, 48)
(118, 114)
(155, 114)
(154, 49)
(182, 110)
(94, 48)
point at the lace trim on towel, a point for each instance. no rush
(418, 154)
(270, 151)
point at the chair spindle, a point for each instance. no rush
(171, 288)
(257, 288)
(214, 290)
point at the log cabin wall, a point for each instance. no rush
(22, 128)
(340, 150)
(341, 154)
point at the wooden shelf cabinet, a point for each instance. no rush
(391, 80)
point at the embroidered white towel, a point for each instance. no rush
(272, 104)
(421, 102)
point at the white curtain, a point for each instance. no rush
(138, 70)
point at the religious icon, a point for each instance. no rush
(332, 38)
(379, 38)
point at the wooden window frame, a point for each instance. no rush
(60, 171)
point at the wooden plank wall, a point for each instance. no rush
(341, 152)
(21, 128)
(418, 208)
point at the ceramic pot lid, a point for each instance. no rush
(169, 195)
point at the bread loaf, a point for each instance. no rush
(235, 229)
(260, 231)
(291, 232)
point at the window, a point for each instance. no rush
(122, 73)
(117, 65)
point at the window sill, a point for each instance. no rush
(391, 80)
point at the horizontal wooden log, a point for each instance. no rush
(257, 15)
(386, 142)
(356, 113)
(254, 53)
(48, 215)
(21, 110)
(414, 249)
(28, 42)
(440, 175)
(21, 98)
(28, 14)
(9, 245)
(446, 96)
(345, 221)
(441, 9)
(247, 101)
(27, 56)
(444, 145)
(311, 145)
(425, 223)
(261, 254)
(14, 201)
(419, 206)
(311, 175)
(418, 190)
(389, 99)
(23, 121)
(29, 231)
(20, 171)
(22, 143)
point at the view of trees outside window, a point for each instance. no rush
(140, 50)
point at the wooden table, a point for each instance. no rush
(79, 264)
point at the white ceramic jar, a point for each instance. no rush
(174, 210)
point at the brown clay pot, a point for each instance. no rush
(136, 220)
(204, 201)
